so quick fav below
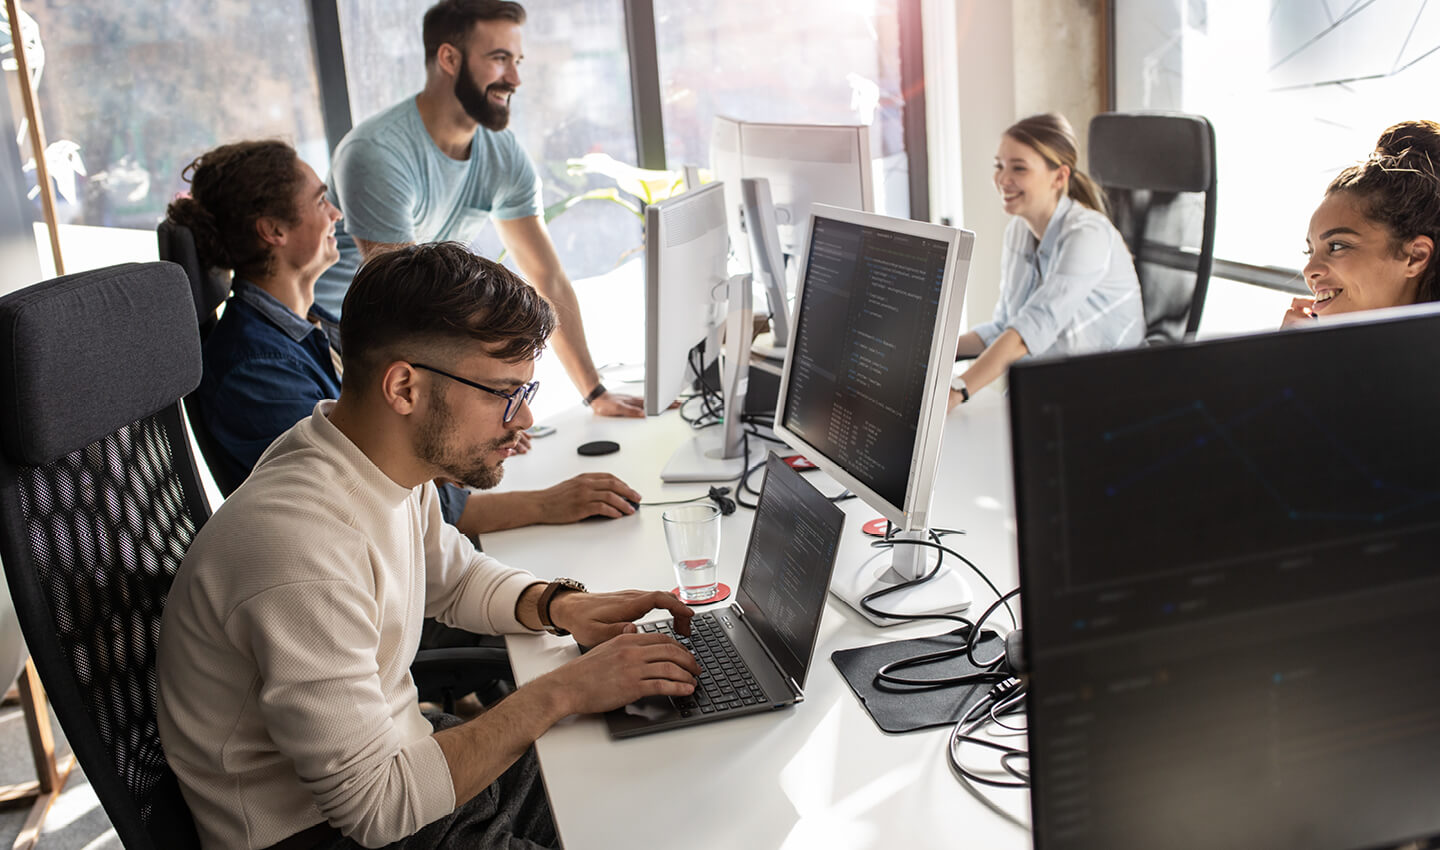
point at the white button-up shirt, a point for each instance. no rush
(1072, 292)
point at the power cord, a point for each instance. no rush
(1004, 698)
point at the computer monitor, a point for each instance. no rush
(1231, 601)
(800, 165)
(689, 300)
(864, 388)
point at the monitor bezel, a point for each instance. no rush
(924, 466)
(655, 270)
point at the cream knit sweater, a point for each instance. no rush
(285, 696)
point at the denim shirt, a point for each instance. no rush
(1073, 291)
(264, 370)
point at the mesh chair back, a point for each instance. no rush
(99, 498)
(1158, 173)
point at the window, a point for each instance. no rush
(787, 61)
(1296, 90)
(574, 99)
(131, 92)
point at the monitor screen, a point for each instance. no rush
(858, 374)
(1231, 600)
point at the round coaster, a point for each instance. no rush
(598, 447)
(875, 527)
(722, 593)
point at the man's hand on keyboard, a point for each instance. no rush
(594, 618)
(622, 670)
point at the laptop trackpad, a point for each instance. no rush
(650, 708)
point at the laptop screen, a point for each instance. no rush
(1231, 600)
(793, 542)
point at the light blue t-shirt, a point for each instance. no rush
(394, 185)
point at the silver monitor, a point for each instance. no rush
(801, 165)
(866, 380)
(689, 300)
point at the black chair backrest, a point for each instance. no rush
(1158, 173)
(210, 288)
(99, 499)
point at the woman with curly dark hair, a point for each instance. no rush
(1372, 240)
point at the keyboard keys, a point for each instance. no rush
(725, 682)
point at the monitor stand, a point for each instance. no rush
(765, 346)
(718, 454)
(945, 593)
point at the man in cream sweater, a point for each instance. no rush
(285, 702)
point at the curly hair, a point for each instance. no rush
(1399, 187)
(232, 187)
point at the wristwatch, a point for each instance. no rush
(957, 384)
(547, 596)
(594, 393)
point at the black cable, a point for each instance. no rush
(1003, 693)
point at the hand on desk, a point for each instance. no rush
(615, 404)
(587, 495)
(594, 618)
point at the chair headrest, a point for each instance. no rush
(84, 355)
(1164, 152)
(210, 287)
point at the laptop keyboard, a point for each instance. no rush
(726, 683)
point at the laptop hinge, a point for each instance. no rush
(745, 621)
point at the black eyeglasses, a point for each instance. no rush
(525, 393)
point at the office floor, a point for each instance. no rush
(75, 822)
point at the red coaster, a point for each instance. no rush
(722, 593)
(875, 527)
(799, 463)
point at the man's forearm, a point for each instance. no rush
(487, 512)
(481, 749)
(569, 339)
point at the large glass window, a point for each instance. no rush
(574, 99)
(1297, 91)
(788, 61)
(131, 92)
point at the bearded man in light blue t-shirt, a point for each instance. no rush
(437, 166)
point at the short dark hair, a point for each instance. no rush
(449, 21)
(232, 187)
(1399, 186)
(404, 303)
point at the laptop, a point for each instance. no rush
(756, 652)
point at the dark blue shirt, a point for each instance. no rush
(265, 369)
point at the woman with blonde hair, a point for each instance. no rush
(1068, 284)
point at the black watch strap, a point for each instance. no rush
(547, 596)
(595, 393)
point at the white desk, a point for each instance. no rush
(820, 774)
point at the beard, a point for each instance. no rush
(434, 445)
(477, 103)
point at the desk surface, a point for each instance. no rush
(819, 774)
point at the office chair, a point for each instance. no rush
(99, 499)
(1158, 173)
(209, 288)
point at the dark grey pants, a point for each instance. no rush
(511, 814)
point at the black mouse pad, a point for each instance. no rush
(908, 710)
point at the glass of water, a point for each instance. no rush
(693, 535)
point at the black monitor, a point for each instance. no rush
(1230, 557)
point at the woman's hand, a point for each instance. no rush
(1300, 313)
